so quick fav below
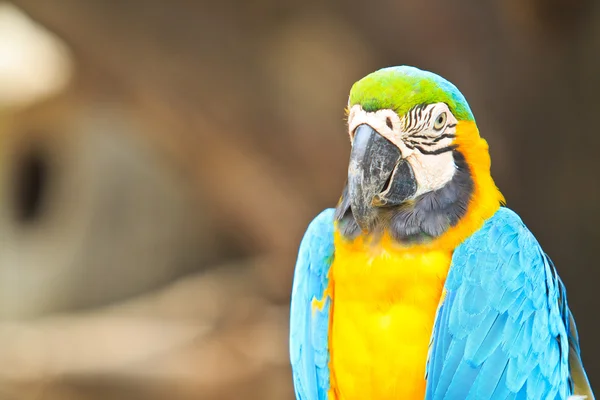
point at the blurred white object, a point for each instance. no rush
(34, 63)
(90, 212)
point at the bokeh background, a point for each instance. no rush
(160, 160)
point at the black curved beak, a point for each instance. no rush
(378, 176)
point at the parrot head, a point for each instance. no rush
(416, 157)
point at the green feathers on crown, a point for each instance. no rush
(402, 88)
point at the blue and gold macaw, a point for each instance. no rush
(421, 284)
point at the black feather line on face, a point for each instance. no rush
(446, 149)
(444, 136)
(420, 137)
(423, 219)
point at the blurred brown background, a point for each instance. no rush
(159, 162)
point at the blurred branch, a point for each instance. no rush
(197, 336)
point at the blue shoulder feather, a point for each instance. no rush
(309, 327)
(503, 329)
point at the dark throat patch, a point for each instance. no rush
(427, 217)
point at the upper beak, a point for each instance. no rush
(378, 176)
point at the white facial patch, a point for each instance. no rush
(425, 137)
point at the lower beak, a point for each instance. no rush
(378, 176)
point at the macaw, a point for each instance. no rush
(421, 283)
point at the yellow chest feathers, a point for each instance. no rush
(382, 315)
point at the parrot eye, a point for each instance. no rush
(440, 121)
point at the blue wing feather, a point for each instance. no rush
(309, 327)
(504, 328)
